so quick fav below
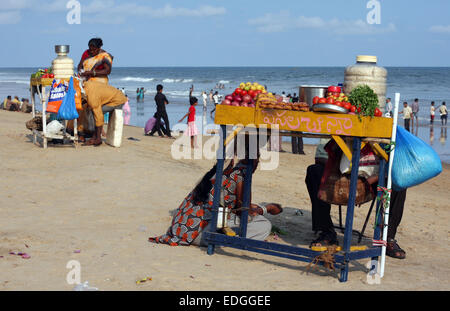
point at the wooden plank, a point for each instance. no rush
(326, 123)
(310, 122)
(345, 149)
(227, 115)
(377, 148)
(233, 135)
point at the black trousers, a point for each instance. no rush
(321, 219)
(407, 122)
(297, 145)
(157, 128)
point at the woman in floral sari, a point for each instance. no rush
(95, 63)
(194, 214)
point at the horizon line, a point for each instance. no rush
(262, 66)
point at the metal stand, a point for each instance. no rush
(296, 253)
(43, 95)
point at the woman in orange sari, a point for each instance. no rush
(95, 63)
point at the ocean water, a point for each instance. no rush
(426, 84)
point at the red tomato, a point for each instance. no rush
(353, 108)
(338, 103)
(52, 75)
(378, 112)
(347, 105)
(252, 93)
(243, 93)
(330, 100)
(238, 91)
(322, 100)
(316, 100)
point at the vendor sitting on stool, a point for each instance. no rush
(98, 95)
(321, 219)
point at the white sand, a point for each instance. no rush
(98, 200)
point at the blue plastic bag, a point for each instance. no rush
(415, 161)
(68, 110)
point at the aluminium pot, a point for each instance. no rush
(308, 92)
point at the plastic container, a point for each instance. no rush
(62, 65)
(115, 128)
(366, 71)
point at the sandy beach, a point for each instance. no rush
(99, 205)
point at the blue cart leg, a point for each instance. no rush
(217, 187)
(246, 199)
(351, 207)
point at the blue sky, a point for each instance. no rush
(229, 33)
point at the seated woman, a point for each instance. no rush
(193, 216)
(99, 94)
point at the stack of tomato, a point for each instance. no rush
(335, 96)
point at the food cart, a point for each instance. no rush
(41, 87)
(377, 131)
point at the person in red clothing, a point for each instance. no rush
(95, 63)
(192, 128)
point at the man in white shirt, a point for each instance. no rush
(216, 101)
(388, 108)
(443, 112)
(407, 113)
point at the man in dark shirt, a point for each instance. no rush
(161, 102)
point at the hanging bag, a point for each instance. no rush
(68, 110)
(57, 94)
(415, 161)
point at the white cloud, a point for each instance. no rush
(110, 12)
(440, 29)
(283, 21)
(12, 5)
(11, 17)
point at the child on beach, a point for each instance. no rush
(432, 112)
(192, 128)
(407, 113)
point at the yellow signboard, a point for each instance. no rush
(309, 122)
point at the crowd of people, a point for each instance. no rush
(16, 104)
(411, 113)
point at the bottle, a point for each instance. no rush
(62, 65)
(366, 71)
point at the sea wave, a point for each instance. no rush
(137, 79)
(224, 82)
(16, 81)
(168, 80)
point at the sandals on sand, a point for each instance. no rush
(326, 238)
(393, 250)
